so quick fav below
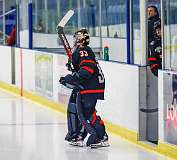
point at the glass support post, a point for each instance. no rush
(79, 13)
(162, 30)
(46, 16)
(100, 23)
(143, 31)
(128, 29)
(4, 21)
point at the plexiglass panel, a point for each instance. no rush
(170, 34)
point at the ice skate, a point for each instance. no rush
(101, 143)
(77, 142)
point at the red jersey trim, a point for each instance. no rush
(88, 69)
(92, 91)
(152, 59)
(87, 61)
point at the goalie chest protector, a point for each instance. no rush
(85, 63)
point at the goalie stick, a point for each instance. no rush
(61, 34)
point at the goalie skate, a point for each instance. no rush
(100, 144)
(78, 143)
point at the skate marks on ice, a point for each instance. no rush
(86, 153)
(118, 149)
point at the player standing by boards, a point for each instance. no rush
(89, 83)
(155, 51)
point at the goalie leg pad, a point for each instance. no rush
(74, 125)
(89, 128)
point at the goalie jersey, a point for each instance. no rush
(89, 73)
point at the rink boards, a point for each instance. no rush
(35, 75)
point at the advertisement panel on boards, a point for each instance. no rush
(170, 108)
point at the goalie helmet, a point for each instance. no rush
(81, 37)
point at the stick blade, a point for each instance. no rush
(65, 19)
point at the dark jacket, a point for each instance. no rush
(89, 73)
(152, 21)
(155, 56)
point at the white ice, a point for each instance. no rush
(29, 131)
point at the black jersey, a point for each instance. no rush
(89, 73)
(152, 21)
(155, 56)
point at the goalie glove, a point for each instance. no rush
(70, 82)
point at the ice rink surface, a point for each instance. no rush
(29, 131)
